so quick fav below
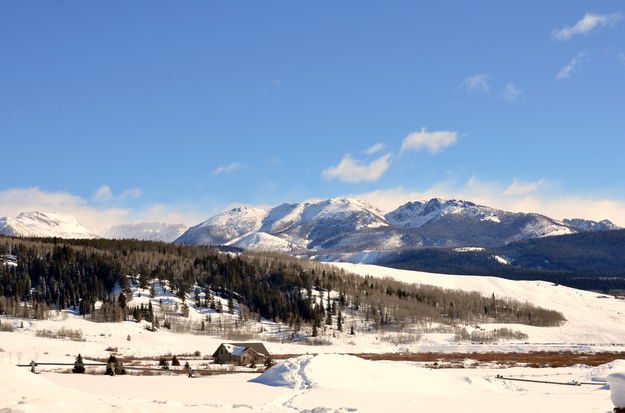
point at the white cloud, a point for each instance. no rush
(476, 83)
(569, 69)
(105, 194)
(375, 148)
(621, 57)
(229, 168)
(541, 197)
(585, 25)
(434, 141)
(524, 188)
(354, 171)
(511, 93)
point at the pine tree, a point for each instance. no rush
(174, 361)
(79, 365)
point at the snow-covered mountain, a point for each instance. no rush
(44, 224)
(341, 224)
(224, 227)
(288, 227)
(149, 231)
(588, 225)
(462, 223)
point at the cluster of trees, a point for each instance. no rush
(63, 273)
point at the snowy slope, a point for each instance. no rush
(591, 317)
(149, 231)
(261, 241)
(224, 227)
(44, 224)
(306, 225)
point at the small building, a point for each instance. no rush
(240, 353)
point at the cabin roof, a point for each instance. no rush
(236, 349)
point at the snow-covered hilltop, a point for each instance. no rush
(147, 231)
(44, 224)
(340, 225)
(288, 227)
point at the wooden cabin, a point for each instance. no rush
(240, 353)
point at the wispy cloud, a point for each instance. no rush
(621, 57)
(353, 171)
(476, 83)
(434, 141)
(229, 168)
(569, 69)
(511, 93)
(518, 187)
(374, 148)
(105, 194)
(585, 25)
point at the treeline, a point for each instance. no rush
(62, 273)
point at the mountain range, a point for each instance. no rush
(334, 229)
(348, 226)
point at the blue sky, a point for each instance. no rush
(163, 110)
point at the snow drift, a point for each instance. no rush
(345, 372)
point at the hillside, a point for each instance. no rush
(96, 278)
(587, 260)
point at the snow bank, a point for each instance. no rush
(617, 389)
(338, 371)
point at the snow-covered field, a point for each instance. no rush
(329, 382)
(323, 383)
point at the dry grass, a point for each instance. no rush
(532, 359)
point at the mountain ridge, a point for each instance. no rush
(343, 224)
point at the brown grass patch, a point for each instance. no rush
(531, 359)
